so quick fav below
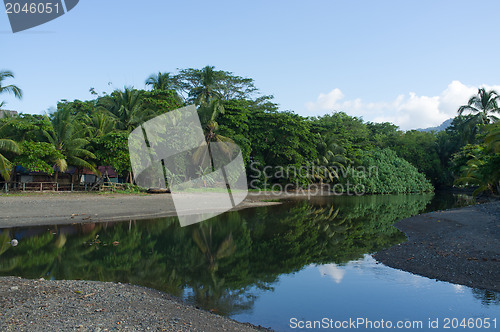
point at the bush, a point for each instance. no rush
(383, 172)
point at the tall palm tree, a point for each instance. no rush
(4, 74)
(126, 107)
(482, 105)
(207, 91)
(161, 81)
(208, 117)
(67, 138)
(165, 82)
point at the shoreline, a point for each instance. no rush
(461, 246)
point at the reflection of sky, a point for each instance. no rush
(362, 288)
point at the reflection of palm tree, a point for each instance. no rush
(216, 243)
(204, 240)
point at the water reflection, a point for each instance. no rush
(224, 263)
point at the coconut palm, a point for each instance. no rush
(7, 145)
(126, 107)
(482, 105)
(67, 138)
(164, 82)
(161, 81)
(207, 91)
(102, 123)
(4, 74)
(208, 115)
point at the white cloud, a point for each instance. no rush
(327, 101)
(333, 271)
(407, 111)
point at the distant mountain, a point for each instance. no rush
(441, 127)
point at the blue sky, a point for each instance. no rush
(409, 62)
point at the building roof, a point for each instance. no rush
(12, 113)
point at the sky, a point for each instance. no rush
(412, 63)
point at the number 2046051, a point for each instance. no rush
(472, 323)
(32, 8)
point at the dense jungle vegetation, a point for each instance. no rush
(334, 149)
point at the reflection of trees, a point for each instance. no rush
(216, 262)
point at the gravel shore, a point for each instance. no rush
(67, 305)
(461, 246)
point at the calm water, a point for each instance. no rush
(272, 266)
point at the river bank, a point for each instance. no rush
(461, 246)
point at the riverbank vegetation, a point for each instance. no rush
(334, 149)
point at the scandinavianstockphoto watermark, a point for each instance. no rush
(205, 178)
(26, 14)
(290, 179)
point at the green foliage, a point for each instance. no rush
(419, 148)
(112, 150)
(160, 101)
(478, 164)
(281, 138)
(383, 172)
(126, 107)
(347, 131)
(94, 132)
(68, 137)
(25, 127)
(38, 156)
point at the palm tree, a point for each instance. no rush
(9, 88)
(208, 114)
(126, 107)
(162, 81)
(165, 82)
(482, 106)
(207, 91)
(102, 123)
(7, 145)
(67, 138)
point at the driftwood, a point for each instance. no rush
(158, 191)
